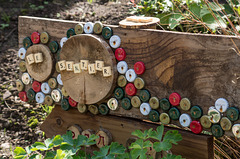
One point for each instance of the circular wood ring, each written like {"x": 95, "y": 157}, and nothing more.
{"x": 40, "y": 71}
{"x": 80, "y": 85}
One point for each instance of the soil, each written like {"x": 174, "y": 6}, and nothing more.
{"x": 15, "y": 116}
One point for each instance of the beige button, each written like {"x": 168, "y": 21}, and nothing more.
{"x": 19, "y": 85}
{"x": 99, "y": 65}
{"x": 76, "y": 130}
{"x": 84, "y": 65}
{"x": 30, "y": 59}
{"x": 107, "y": 71}
{"x": 91, "y": 69}
{"x": 69, "y": 65}
{"x": 22, "y": 66}
{"x": 93, "y": 109}
{"x": 77, "y": 68}
{"x": 214, "y": 115}
{"x": 62, "y": 65}
{"x": 112, "y": 104}
{"x": 139, "y": 83}
{"x": 26, "y": 79}
{"x": 185, "y": 104}
{"x": 122, "y": 81}
{"x": 82, "y": 108}
{"x": 38, "y": 57}
{"x": 225, "y": 123}
{"x": 135, "y": 101}
{"x": 236, "y": 130}
{"x": 64, "y": 92}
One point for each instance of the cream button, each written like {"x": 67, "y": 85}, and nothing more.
{"x": 145, "y": 108}
{"x": 26, "y": 79}
{"x": 185, "y": 120}
{"x": 130, "y": 75}
{"x": 59, "y": 79}
{"x": 115, "y": 41}
{"x": 236, "y": 130}
{"x": 221, "y": 105}
{"x": 88, "y": 28}
{"x": 215, "y": 115}
{"x": 122, "y": 67}
{"x": 112, "y": 104}
{"x": 40, "y": 97}
{"x": 63, "y": 40}
{"x": 21, "y": 53}
{"x": 56, "y": 95}
{"x": 45, "y": 88}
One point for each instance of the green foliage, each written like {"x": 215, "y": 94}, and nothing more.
{"x": 64, "y": 147}
{"x": 33, "y": 122}
{"x": 47, "y": 109}
{"x": 5, "y": 17}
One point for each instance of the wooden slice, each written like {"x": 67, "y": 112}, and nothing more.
{"x": 139, "y": 25}
{"x": 40, "y": 71}
{"x": 105, "y": 138}
{"x": 83, "y": 87}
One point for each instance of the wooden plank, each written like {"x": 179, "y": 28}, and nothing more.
{"x": 197, "y": 66}
{"x": 192, "y": 146}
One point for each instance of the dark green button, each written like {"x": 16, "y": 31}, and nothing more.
{"x": 144, "y": 95}
{"x": 107, "y": 33}
{"x": 165, "y": 104}
{"x": 53, "y": 46}
{"x": 233, "y": 113}
{"x": 119, "y": 93}
{"x": 126, "y": 103}
{"x": 70, "y": 32}
{"x": 103, "y": 109}
{"x": 174, "y": 113}
{"x": 154, "y": 115}
{"x": 217, "y": 131}
{"x": 27, "y": 42}
{"x": 58, "y": 54}
{"x": 64, "y": 104}
{"x": 31, "y": 94}
{"x": 196, "y": 112}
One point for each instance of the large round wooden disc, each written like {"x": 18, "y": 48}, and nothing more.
{"x": 40, "y": 71}
{"x": 83, "y": 87}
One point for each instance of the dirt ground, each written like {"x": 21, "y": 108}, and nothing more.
{"x": 18, "y": 125}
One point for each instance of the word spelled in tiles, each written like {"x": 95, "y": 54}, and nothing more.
{"x": 34, "y": 58}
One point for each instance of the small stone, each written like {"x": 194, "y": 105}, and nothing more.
{"x": 5, "y": 145}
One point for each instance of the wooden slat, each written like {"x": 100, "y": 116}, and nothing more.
{"x": 191, "y": 147}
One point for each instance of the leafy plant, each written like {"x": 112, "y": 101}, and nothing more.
{"x": 68, "y": 148}
{"x": 5, "y": 17}
{"x": 47, "y": 109}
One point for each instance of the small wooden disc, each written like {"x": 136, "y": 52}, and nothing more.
{"x": 40, "y": 71}
{"x": 84, "y": 87}
{"x": 76, "y": 130}
{"x": 105, "y": 138}
{"x": 138, "y": 25}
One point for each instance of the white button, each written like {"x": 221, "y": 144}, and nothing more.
{"x": 115, "y": 41}
{"x": 88, "y": 28}
{"x": 21, "y": 53}
{"x": 45, "y": 88}
{"x": 63, "y": 40}
{"x": 59, "y": 79}
{"x": 221, "y": 104}
{"x": 185, "y": 120}
{"x": 145, "y": 108}
{"x": 122, "y": 67}
{"x": 214, "y": 114}
{"x": 26, "y": 79}
{"x": 236, "y": 130}
{"x": 40, "y": 97}
{"x": 56, "y": 95}
{"x": 112, "y": 104}
{"x": 131, "y": 75}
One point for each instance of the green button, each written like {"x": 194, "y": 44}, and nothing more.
{"x": 217, "y": 131}
{"x": 22, "y": 66}
{"x": 139, "y": 83}
{"x": 97, "y": 28}
{"x": 70, "y": 32}
{"x": 126, "y": 103}
{"x": 93, "y": 109}
{"x": 78, "y": 28}
{"x": 103, "y": 109}
{"x": 205, "y": 121}
{"x": 53, "y": 46}
{"x": 27, "y": 42}
{"x": 48, "y": 100}
{"x": 233, "y": 113}
{"x": 164, "y": 118}
{"x": 154, "y": 115}
{"x": 154, "y": 102}
{"x": 31, "y": 94}
{"x": 44, "y": 37}
{"x": 135, "y": 101}
{"x": 122, "y": 81}
{"x": 119, "y": 93}
{"x": 58, "y": 54}
{"x": 226, "y": 124}
{"x": 82, "y": 108}
{"x": 196, "y": 112}
{"x": 165, "y": 104}
{"x": 144, "y": 95}
{"x": 107, "y": 33}
{"x": 64, "y": 104}
{"x": 174, "y": 113}
{"x": 185, "y": 104}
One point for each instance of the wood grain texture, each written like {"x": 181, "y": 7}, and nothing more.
{"x": 134, "y": 25}
{"x": 191, "y": 147}
{"x": 200, "y": 67}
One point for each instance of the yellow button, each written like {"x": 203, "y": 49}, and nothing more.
{"x": 164, "y": 118}
{"x": 185, "y": 104}
{"x": 139, "y": 83}
{"x": 93, "y": 109}
{"x": 226, "y": 124}
{"x": 82, "y": 108}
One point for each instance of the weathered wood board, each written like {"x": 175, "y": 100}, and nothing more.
{"x": 191, "y": 147}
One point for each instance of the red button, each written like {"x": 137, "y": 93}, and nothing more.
{"x": 72, "y": 102}
{"x": 130, "y": 89}
{"x": 36, "y": 86}
{"x": 23, "y": 96}
{"x": 120, "y": 54}
{"x": 35, "y": 37}
{"x": 139, "y": 67}
{"x": 196, "y": 127}
{"x": 175, "y": 99}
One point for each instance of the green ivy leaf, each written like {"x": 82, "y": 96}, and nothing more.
{"x": 172, "y": 136}
{"x": 68, "y": 138}
{"x": 164, "y": 18}
{"x": 147, "y": 144}
{"x": 69, "y": 148}
{"x": 174, "y": 20}
{"x": 138, "y": 144}
{"x": 195, "y": 10}
{"x": 19, "y": 151}
{"x": 162, "y": 146}
{"x": 138, "y": 133}
{"x": 116, "y": 148}
{"x": 158, "y": 133}
{"x": 102, "y": 153}
{"x": 141, "y": 153}
{"x": 57, "y": 140}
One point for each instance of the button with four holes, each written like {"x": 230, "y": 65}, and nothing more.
{"x": 22, "y": 66}
{"x": 59, "y": 79}
{"x": 44, "y": 37}
{"x": 72, "y": 102}
{"x": 88, "y": 28}
{"x": 39, "y": 97}
{"x": 70, "y": 32}
{"x": 175, "y": 99}
{"x": 233, "y": 113}
{"x": 21, "y": 53}
{"x": 126, "y": 103}
{"x": 139, "y": 83}
{"x": 82, "y": 108}
{"x": 185, "y": 120}
{"x": 154, "y": 102}
{"x": 26, "y": 79}
{"x": 31, "y": 94}
{"x": 103, "y": 109}
{"x": 196, "y": 127}
{"x": 185, "y": 104}
{"x": 196, "y": 112}
{"x": 145, "y": 108}
{"x": 64, "y": 104}
{"x": 120, "y": 54}
{"x": 217, "y": 130}
{"x": 78, "y": 28}
{"x": 130, "y": 89}
{"x": 97, "y": 28}
{"x": 45, "y": 88}
{"x": 174, "y": 113}
{"x": 23, "y": 96}
{"x": 205, "y": 121}
{"x": 236, "y": 130}
{"x": 119, "y": 93}
{"x": 27, "y": 42}
{"x": 35, "y": 37}
{"x": 122, "y": 67}
{"x": 139, "y": 67}
{"x": 115, "y": 41}
{"x": 164, "y": 118}
{"x": 165, "y": 104}
{"x": 107, "y": 33}
{"x": 135, "y": 101}
{"x": 112, "y": 104}
{"x": 53, "y": 46}
{"x": 52, "y": 82}
{"x": 221, "y": 105}
{"x": 130, "y": 75}
{"x": 154, "y": 115}
{"x": 19, "y": 85}
{"x": 121, "y": 81}
{"x": 144, "y": 95}
{"x": 56, "y": 95}
{"x": 62, "y": 41}
{"x": 48, "y": 100}
{"x": 226, "y": 124}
